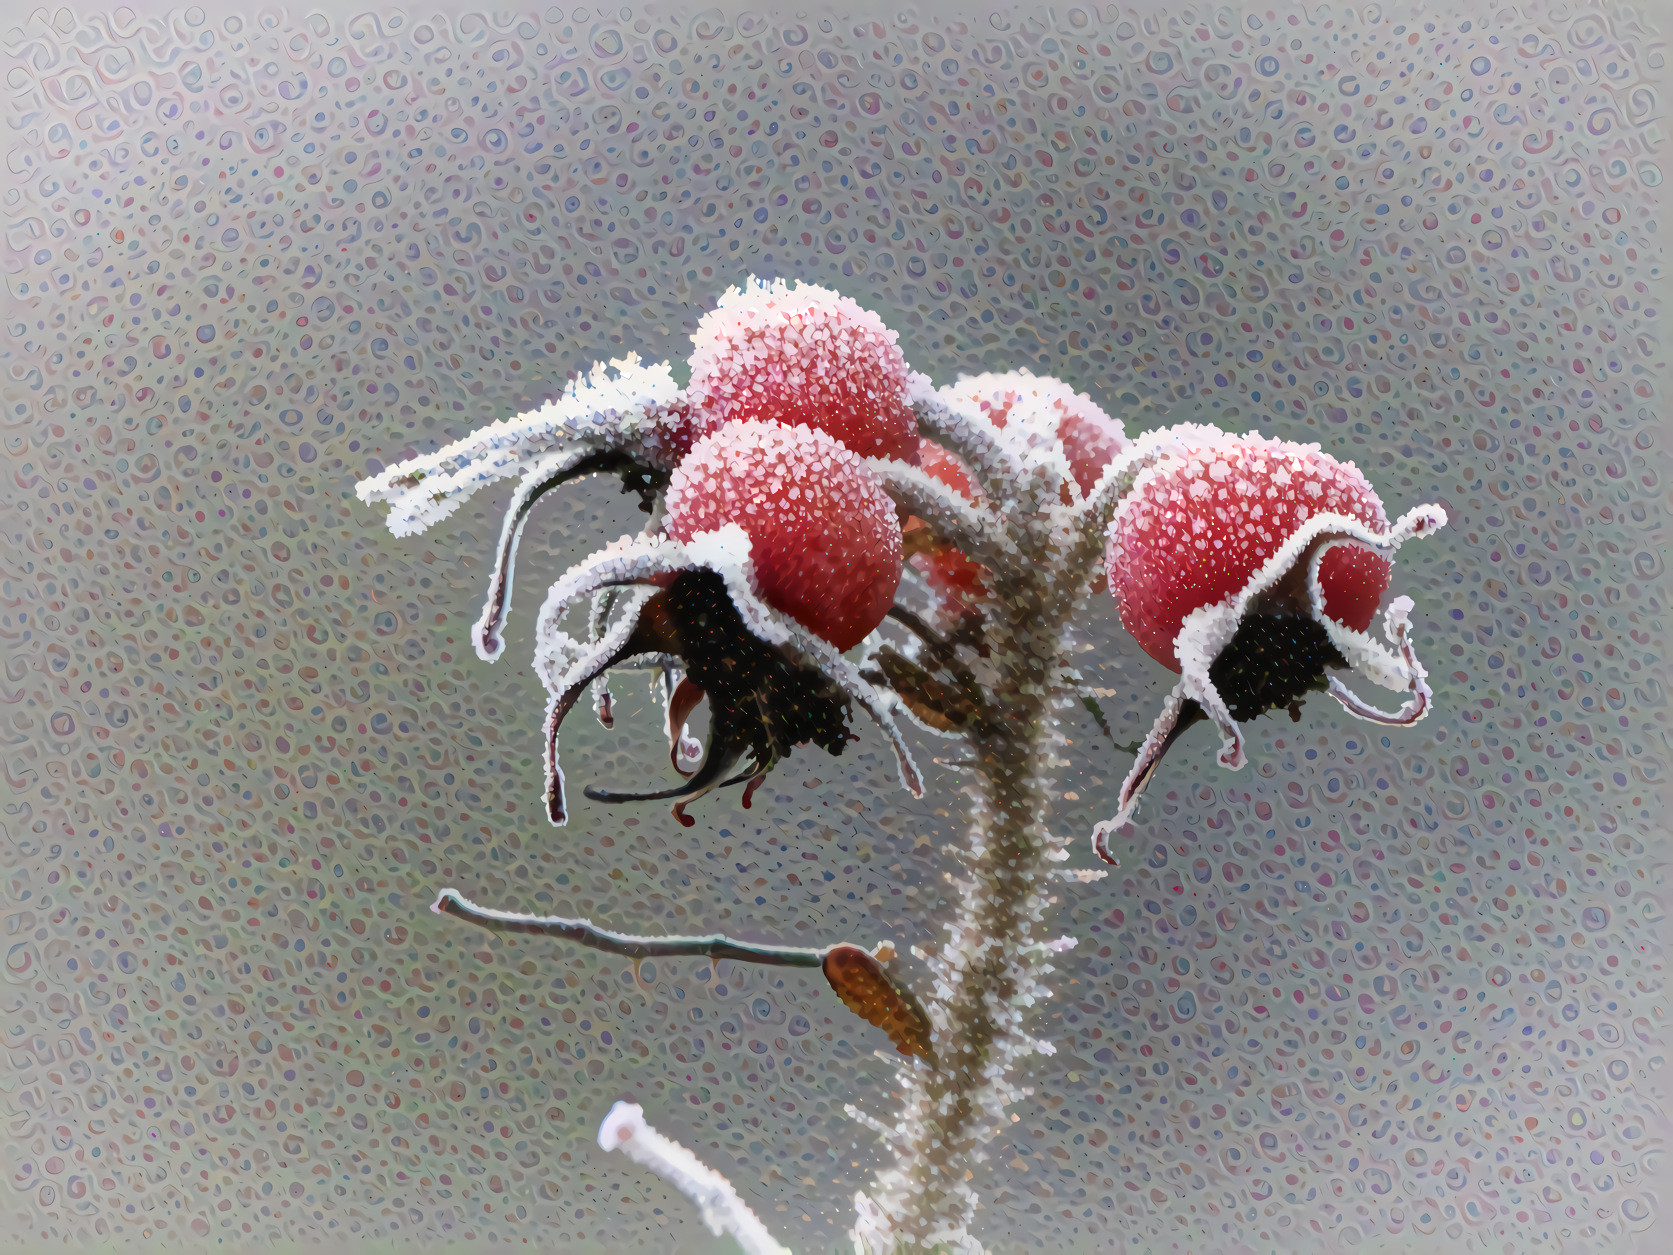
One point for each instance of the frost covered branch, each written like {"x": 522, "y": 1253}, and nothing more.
{"x": 624, "y": 1129}
{"x": 973, "y": 530}
{"x": 584, "y": 932}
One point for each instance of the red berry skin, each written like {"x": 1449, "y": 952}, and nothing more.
{"x": 824, "y": 536}
{"x": 804, "y": 355}
{"x": 1196, "y": 531}
{"x": 1353, "y": 580}
{"x": 955, "y": 578}
{"x": 1091, "y": 440}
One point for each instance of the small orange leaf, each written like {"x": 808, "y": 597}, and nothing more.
{"x": 870, "y": 993}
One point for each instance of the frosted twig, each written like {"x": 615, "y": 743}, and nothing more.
{"x": 624, "y": 1129}
{"x": 628, "y": 945}
{"x": 966, "y": 431}
{"x": 950, "y": 516}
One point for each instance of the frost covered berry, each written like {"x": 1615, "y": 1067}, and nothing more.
{"x": 779, "y": 549}
{"x": 1251, "y": 567}
{"x": 824, "y": 539}
{"x": 1047, "y": 409}
{"x": 804, "y": 355}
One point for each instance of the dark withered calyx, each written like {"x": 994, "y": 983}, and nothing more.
{"x": 1272, "y": 663}
{"x": 762, "y": 701}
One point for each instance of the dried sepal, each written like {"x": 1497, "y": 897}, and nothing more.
{"x": 939, "y": 706}
{"x": 867, "y": 989}
{"x": 624, "y": 405}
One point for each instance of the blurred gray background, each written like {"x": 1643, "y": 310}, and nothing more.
{"x": 1372, "y": 992}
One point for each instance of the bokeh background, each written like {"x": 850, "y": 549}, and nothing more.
{"x": 1374, "y": 992}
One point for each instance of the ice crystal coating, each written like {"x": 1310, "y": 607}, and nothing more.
{"x": 1196, "y": 528}
{"x": 804, "y": 355}
{"x": 623, "y": 404}
{"x": 954, "y": 577}
{"x": 1048, "y": 410}
{"x": 624, "y": 1129}
{"x": 824, "y": 540}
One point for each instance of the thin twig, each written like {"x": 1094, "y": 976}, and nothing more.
{"x": 713, "y": 946}
{"x": 624, "y": 1129}
{"x": 1097, "y": 713}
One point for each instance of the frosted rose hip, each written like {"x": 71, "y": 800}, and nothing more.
{"x": 1252, "y": 567}
{"x": 804, "y": 355}
{"x": 1198, "y": 532}
{"x": 1048, "y": 409}
{"x": 824, "y": 538}
{"x": 778, "y": 550}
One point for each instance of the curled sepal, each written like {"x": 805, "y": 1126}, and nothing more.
{"x": 1162, "y": 734}
{"x": 623, "y": 405}
{"x": 598, "y": 623}
{"x": 680, "y": 697}
{"x": 940, "y": 707}
{"x": 630, "y": 560}
{"x": 1399, "y": 670}
{"x": 868, "y": 990}
{"x": 621, "y": 640}
{"x": 1271, "y": 663}
{"x": 549, "y": 472}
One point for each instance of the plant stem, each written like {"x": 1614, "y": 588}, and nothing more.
{"x": 713, "y": 946}
{"x": 987, "y": 974}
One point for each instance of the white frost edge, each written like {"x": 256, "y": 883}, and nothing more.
{"x": 1367, "y": 656}
{"x": 624, "y": 1129}
{"x": 596, "y": 405}
{"x": 1208, "y": 629}
{"x": 541, "y": 473}
{"x": 1401, "y": 672}
{"x": 1132, "y": 788}
{"x": 598, "y": 623}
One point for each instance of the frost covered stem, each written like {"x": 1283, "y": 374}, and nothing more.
{"x": 624, "y": 1129}
{"x": 713, "y": 946}
{"x": 987, "y": 983}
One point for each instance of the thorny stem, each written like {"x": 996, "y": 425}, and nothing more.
{"x": 986, "y": 976}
